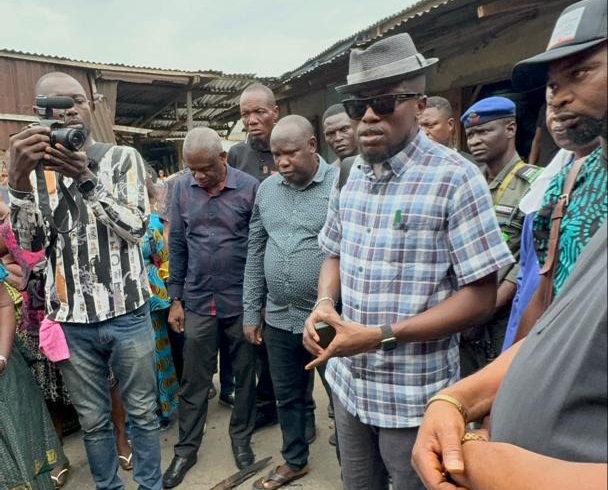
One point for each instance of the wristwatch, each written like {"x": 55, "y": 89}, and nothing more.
{"x": 389, "y": 341}
{"x": 87, "y": 186}
{"x": 174, "y": 298}
{"x": 3, "y": 363}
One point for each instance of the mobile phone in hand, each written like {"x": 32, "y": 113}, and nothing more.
{"x": 325, "y": 332}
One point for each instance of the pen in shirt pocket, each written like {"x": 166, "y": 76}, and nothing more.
{"x": 397, "y": 219}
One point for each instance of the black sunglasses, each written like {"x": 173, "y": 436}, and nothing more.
{"x": 383, "y": 105}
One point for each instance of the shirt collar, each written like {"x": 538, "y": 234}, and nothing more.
{"x": 399, "y": 162}
{"x": 229, "y": 182}
{"x": 505, "y": 170}
{"x": 319, "y": 176}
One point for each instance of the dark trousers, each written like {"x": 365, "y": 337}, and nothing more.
{"x": 226, "y": 376}
{"x": 264, "y": 391}
{"x": 287, "y": 358}
{"x": 370, "y": 454}
{"x": 202, "y": 337}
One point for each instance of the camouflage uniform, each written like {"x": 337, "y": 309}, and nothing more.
{"x": 483, "y": 343}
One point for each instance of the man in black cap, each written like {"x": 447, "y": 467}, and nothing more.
{"x": 574, "y": 67}
{"x": 490, "y": 128}
{"x": 413, "y": 248}
{"x": 546, "y": 394}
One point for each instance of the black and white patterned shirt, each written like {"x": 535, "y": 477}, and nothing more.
{"x": 96, "y": 271}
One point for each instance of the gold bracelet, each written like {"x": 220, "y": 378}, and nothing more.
{"x": 472, "y": 436}
{"x": 324, "y": 298}
{"x": 452, "y": 401}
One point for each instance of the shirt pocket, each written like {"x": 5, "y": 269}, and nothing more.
{"x": 414, "y": 240}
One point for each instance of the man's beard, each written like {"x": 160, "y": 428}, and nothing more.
{"x": 587, "y": 130}
{"x": 383, "y": 156}
{"x": 259, "y": 144}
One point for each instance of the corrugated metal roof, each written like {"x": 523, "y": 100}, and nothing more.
{"x": 378, "y": 29}
{"x": 101, "y": 66}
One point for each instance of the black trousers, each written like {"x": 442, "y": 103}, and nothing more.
{"x": 202, "y": 338}
{"x": 287, "y": 358}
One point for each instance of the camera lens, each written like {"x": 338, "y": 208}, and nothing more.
{"x": 72, "y": 139}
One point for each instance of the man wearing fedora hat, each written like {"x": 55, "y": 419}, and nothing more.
{"x": 412, "y": 250}
{"x": 546, "y": 394}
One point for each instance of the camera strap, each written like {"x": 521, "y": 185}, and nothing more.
{"x": 66, "y": 198}
{"x": 67, "y": 203}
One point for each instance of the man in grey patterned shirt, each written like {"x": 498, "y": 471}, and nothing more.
{"x": 96, "y": 281}
{"x": 283, "y": 263}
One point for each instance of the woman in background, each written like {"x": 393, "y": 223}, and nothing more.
{"x": 156, "y": 260}
{"x": 29, "y": 446}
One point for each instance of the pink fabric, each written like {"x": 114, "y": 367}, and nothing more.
{"x": 52, "y": 341}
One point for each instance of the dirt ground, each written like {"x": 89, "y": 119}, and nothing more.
{"x": 215, "y": 461}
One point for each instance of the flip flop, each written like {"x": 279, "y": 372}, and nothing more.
{"x": 60, "y": 479}
{"x": 274, "y": 479}
{"x": 126, "y": 462}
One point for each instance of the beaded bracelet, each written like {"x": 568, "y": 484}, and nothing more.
{"x": 324, "y": 298}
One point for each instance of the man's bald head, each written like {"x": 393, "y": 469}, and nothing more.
{"x": 294, "y": 146}
{"x": 293, "y": 126}
{"x": 259, "y": 112}
{"x": 258, "y": 88}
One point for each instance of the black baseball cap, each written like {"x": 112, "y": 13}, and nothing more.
{"x": 580, "y": 26}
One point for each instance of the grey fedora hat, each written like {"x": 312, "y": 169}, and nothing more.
{"x": 390, "y": 59}
{"x": 580, "y": 26}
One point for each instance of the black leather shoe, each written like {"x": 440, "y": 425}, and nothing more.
{"x": 265, "y": 419}
{"x": 243, "y": 456}
{"x": 177, "y": 470}
{"x": 227, "y": 400}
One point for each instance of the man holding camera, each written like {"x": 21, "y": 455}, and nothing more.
{"x": 96, "y": 284}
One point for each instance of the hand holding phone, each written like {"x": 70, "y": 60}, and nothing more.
{"x": 325, "y": 332}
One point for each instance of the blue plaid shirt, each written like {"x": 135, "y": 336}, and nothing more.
{"x": 407, "y": 241}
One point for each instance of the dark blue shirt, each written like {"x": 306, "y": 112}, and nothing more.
{"x": 208, "y": 243}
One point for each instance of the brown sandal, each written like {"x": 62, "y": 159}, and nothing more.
{"x": 274, "y": 479}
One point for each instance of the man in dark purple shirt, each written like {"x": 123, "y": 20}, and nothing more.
{"x": 209, "y": 227}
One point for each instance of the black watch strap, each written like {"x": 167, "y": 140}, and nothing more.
{"x": 389, "y": 341}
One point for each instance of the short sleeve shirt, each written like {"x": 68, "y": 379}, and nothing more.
{"x": 407, "y": 241}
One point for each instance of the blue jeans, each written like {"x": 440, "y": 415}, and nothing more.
{"x": 126, "y": 344}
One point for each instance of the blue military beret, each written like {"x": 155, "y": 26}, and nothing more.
{"x": 488, "y": 109}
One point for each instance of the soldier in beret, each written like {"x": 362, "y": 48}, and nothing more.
{"x": 490, "y": 129}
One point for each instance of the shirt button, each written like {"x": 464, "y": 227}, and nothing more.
{"x": 369, "y": 230}
{"x": 360, "y": 269}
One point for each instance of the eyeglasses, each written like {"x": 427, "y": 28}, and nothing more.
{"x": 382, "y": 105}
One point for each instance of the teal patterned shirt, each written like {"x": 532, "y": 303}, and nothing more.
{"x": 584, "y": 215}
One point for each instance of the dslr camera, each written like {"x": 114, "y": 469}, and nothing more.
{"x": 71, "y": 138}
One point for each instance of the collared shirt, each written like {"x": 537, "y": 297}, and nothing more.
{"x": 208, "y": 243}
{"x": 507, "y": 190}
{"x": 284, "y": 253}
{"x": 96, "y": 271}
{"x": 253, "y": 158}
{"x": 585, "y": 214}
{"x": 407, "y": 241}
